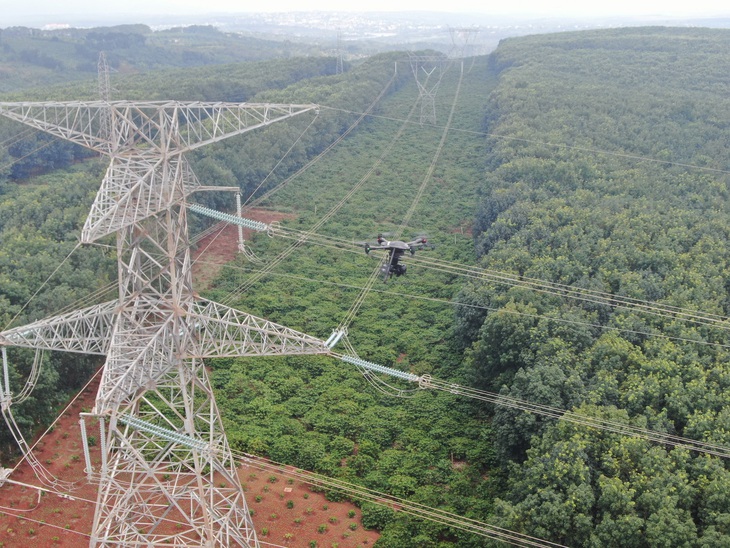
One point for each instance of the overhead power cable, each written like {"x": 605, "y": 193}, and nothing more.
{"x": 304, "y": 236}
{"x": 398, "y": 504}
{"x": 427, "y": 382}
{"x": 542, "y": 286}
{"x": 355, "y": 308}
{"x": 589, "y": 150}
{"x": 453, "y": 302}
{"x": 305, "y": 167}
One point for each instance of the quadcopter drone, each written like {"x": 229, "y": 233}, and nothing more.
{"x": 395, "y": 249}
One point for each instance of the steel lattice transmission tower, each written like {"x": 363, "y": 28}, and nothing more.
{"x": 167, "y": 476}
{"x": 428, "y": 71}
{"x": 460, "y": 40}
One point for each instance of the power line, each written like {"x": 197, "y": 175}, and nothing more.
{"x": 428, "y": 382}
{"x": 589, "y": 150}
{"x": 542, "y": 286}
{"x": 452, "y": 302}
{"x": 350, "y": 316}
{"x": 400, "y": 504}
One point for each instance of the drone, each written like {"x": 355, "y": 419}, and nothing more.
{"x": 396, "y": 249}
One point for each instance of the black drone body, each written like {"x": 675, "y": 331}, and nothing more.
{"x": 396, "y": 249}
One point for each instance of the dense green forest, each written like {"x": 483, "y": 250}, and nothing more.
{"x": 607, "y": 169}
{"x": 595, "y": 160}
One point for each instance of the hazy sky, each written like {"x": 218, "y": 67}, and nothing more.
{"x": 14, "y": 12}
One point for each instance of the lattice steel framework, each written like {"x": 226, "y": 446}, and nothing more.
{"x": 428, "y": 71}
{"x": 167, "y": 476}
{"x": 461, "y": 40}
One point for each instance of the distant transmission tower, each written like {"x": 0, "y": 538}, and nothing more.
{"x": 167, "y": 476}
{"x": 461, "y": 40}
{"x": 428, "y": 71}
{"x": 105, "y": 93}
{"x": 340, "y": 54}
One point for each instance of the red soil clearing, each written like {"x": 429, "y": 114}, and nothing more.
{"x": 221, "y": 246}
{"x": 33, "y": 518}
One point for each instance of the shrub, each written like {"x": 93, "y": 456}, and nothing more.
{"x": 375, "y": 516}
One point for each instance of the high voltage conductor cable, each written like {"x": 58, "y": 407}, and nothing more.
{"x": 597, "y": 151}
{"x": 565, "y": 287}
{"x": 17, "y": 137}
{"x": 361, "y": 117}
{"x": 16, "y": 160}
{"x": 354, "y": 309}
{"x": 33, "y": 296}
{"x": 586, "y": 295}
{"x": 368, "y": 495}
{"x": 285, "y": 155}
{"x": 218, "y": 233}
{"x": 551, "y": 288}
{"x": 307, "y": 235}
{"x": 434, "y": 159}
{"x": 301, "y": 170}
{"x": 13, "y": 512}
{"x": 94, "y": 480}
{"x": 68, "y": 406}
{"x": 336, "y": 208}
{"x": 427, "y": 382}
{"x": 409, "y": 507}
{"x": 482, "y": 307}
{"x": 399, "y": 504}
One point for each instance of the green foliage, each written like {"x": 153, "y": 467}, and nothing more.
{"x": 322, "y": 415}
{"x": 39, "y": 227}
{"x": 566, "y": 201}
{"x": 375, "y": 516}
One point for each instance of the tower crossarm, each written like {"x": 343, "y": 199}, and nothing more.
{"x": 226, "y": 332}
{"x": 209, "y": 122}
{"x": 84, "y": 331}
{"x": 160, "y": 127}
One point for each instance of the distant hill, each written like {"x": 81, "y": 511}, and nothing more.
{"x": 32, "y": 57}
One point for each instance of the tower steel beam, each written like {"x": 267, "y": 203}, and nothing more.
{"x": 168, "y": 477}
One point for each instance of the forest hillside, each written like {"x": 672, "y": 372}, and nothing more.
{"x": 607, "y": 175}
{"x": 32, "y": 57}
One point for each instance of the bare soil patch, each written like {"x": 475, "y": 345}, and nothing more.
{"x": 221, "y": 246}
{"x": 287, "y": 513}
